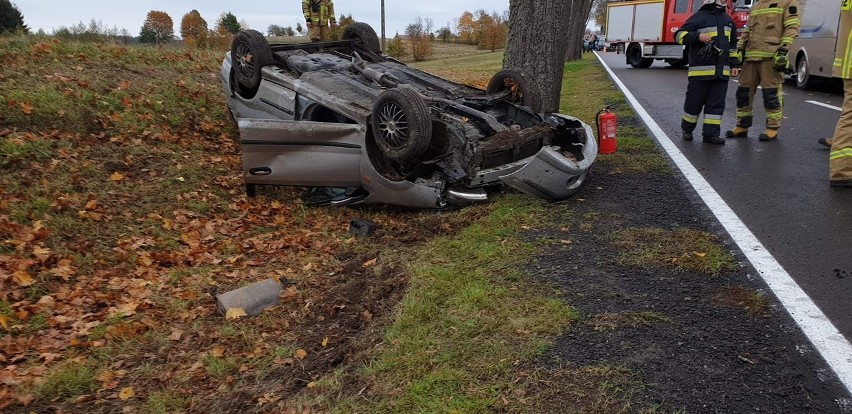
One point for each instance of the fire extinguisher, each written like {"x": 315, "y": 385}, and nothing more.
{"x": 607, "y": 124}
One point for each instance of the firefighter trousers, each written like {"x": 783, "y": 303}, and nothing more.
{"x": 840, "y": 161}
{"x": 710, "y": 96}
{"x": 754, "y": 74}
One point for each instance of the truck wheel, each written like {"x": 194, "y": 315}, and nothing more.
{"x": 635, "y": 59}
{"x": 249, "y": 54}
{"x": 363, "y": 33}
{"x": 522, "y": 85}
{"x": 804, "y": 80}
{"x": 402, "y": 124}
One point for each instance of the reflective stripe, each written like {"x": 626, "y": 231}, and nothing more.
{"x": 726, "y": 72}
{"x": 846, "y": 58}
{"x": 769, "y": 10}
{"x": 774, "y": 115}
{"x": 680, "y": 36}
{"x": 741, "y": 114}
{"x": 842, "y": 153}
{"x": 708, "y": 121}
{"x": 790, "y": 22}
{"x": 690, "y": 118}
{"x": 787, "y": 40}
{"x": 707, "y": 30}
{"x": 712, "y": 116}
{"x": 759, "y": 54}
{"x": 838, "y": 62}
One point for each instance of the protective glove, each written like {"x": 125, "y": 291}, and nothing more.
{"x": 709, "y": 52}
{"x": 780, "y": 62}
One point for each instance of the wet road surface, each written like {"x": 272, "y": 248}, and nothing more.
{"x": 778, "y": 189}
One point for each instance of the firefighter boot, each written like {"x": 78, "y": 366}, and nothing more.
{"x": 737, "y": 132}
{"x": 687, "y": 136}
{"x": 769, "y": 135}
{"x": 714, "y": 140}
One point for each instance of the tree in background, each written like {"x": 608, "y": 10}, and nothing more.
{"x": 228, "y": 23}
{"x": 276, "y": 30}
{"x": 419, "y": 34}
{"x": 396, "y": 47}
{"x": 466, "y": 28}
{"x": 493, "y": 31}
{"x": 194, "y": 30}
{"x": 599, "y": 12}
{"x": 445, "y": 33}
{"x": 158, "y": 28}
{"x": 11, "y": 18}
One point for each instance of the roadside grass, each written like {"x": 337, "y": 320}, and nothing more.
{"x": 610, "y": 321}
{"x": 750, "y": 301}
{"x": 679, "y": 248}
{"x": 68, "y": 381}
{"x": 464, "y": 64}
{"x": 586, "y": 89}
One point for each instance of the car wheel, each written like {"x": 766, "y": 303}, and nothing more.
{"x": 363, "y": 33}
{"x": 524, "y": 89}
{"x": 249, "y": 54}
{"x": 804, "y": 80}
{"x": 402, "y": 124}
{"x": 635, "y": 59}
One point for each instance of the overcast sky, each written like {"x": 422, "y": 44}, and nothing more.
{"x": 259, "y": 14}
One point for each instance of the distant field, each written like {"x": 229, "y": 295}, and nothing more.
{"x": 462, "y": 63}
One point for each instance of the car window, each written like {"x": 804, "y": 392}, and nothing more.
{"x": 681, "y": 6}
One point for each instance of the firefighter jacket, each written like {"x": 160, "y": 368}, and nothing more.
{"x": 319, "y": 12}
{"x": 843, "y": 53}
{"x": 771, "y": 24}
{"x": 713, "y": 60}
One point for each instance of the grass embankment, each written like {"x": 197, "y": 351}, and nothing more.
{"x": 122, "y": 209}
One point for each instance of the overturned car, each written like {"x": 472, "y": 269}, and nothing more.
{"x": 341, "y": 116}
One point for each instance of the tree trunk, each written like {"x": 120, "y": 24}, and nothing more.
{"x": 577, "y": 28}
{"x": 538, "y": 39}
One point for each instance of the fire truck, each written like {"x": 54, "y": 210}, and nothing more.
{"x": 643, "y": 30}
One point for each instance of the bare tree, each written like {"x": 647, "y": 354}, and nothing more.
{"x": 419, "y": 34}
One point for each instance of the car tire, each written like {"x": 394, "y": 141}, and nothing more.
{"x": 804, "y": 80}
{"x": 525, "y": 90}
{"x": 249, "y": 54}
{"x": 635, "y": 59}
{"x": 363, "y": 33}
{"x": 402, "y": 124}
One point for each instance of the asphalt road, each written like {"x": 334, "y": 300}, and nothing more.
{"x": 778, "y": 189}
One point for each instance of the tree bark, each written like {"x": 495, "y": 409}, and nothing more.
{"x": 538, "y": 39}
{"x": 581, "y": 9}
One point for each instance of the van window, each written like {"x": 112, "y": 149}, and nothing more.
{"x": 681, "y": 6}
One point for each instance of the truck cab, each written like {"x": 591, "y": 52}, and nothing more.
{"x": 644, "y": 29}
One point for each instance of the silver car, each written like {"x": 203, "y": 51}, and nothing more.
{"x": 360, "y": 127}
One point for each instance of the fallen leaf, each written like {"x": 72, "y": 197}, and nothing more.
{"x": 91, "y": 205}
{"x": 325, "y": 342}
{"x": 312, "y": 384}
{"x": 235, "y": 313}
{"x": 106, "y": 376}
{"x": 25, "y": 400}
{"x": 126, "y": 393}
{"x": 563, "y": 241}
{"x": 176, "y": 334}
{"x": 300, "y": 353}
{"x": 369, "y": 263}
{"x": 367, "y": 315}
{"x": 702, "y": 255}
{"x": 22, "y": 278}
{"x": 26, "y": 108}
{"x": 116, "y": 176}
{"x": 217, "y": 351}
{"x": 4, "y": 322}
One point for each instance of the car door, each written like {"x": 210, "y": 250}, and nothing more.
{"x": 302, "y": 153}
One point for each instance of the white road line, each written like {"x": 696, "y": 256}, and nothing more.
{"x": 828, "y": 341}
{"x": 825, "y": 105}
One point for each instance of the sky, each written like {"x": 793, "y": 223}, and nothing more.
{"x": 259, "y": 14}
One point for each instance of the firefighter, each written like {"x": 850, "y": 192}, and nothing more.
{"x": 319, "y": 17}
{"x": 840, "y": 158}
{"x": 710, "y": 36}
{"x": 772, "y": 27}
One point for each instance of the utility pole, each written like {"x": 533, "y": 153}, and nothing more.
{"x": 383, "y": 25}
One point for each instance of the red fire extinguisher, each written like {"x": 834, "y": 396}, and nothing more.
{"x": 607, "y": 124}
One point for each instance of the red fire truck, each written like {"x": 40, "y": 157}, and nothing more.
{"x": 643, "y": 30}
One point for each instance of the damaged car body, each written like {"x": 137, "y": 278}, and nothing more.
{"x": 341, "y": 115}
